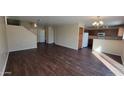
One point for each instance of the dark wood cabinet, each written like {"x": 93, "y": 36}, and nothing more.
{"x": 108, "y": 32}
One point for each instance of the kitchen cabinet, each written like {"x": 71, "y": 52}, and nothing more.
{"x": 120, "y": 31}
{"x": 108, "y": 32}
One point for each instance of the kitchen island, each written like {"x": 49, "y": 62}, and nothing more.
{"x": 91, "y": 38}
{"x": 110, "y": 46}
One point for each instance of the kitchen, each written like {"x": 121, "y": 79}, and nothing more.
{"x": 107, "y": 40}
{"x": 111, "y": 33}
{"x": 109, "y": 44}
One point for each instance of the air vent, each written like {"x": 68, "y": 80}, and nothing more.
{"x": 13, "y": 22}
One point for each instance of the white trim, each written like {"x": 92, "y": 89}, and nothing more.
{"x": 14, "y": 50}
{"x": 111, "y": 53}
{"x": 122, "y": 60}
{"x": 5, "y": 65}
{"x": 66, "y": 46}
{"x": 116, "y": 64}
{"x": 108, "y": 65}
{"x": 107, "y": 52}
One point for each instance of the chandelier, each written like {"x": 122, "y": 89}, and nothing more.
{"x": 98, "y": 23}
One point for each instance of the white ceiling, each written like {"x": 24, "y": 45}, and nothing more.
{"x": 56, "y": 20}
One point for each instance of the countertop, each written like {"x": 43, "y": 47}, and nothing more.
{"x": 106, "y": 37}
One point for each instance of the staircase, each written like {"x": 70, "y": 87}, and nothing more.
{"x": 20, "y": 38}
{"x": 113, "y": 65}
{"x": 30, "y": 27}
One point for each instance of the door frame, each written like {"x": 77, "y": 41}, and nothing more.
{"x": 80, "y": 46}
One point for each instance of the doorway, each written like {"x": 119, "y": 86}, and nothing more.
{"x": 41, "y": 36}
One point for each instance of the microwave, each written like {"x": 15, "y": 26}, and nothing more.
{"x": 101, "y": 34}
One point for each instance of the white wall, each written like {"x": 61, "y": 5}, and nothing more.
{"x": 19, "y": 38}
{"x": 41, "y": 35}
{"x": 3, "y": 46}
{"x": 108, "y": 46}
{"x": 29, "y": 26}
{"x": 49, "y": 35}
{"x": 67, "y": 36}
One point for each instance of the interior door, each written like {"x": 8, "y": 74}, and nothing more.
{"x": 80, "y": 38}
{"x": 41, "y": 36}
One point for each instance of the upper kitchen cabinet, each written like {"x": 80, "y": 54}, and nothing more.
{"x": 120, "y": 31}
{"x": 108, "y": 32}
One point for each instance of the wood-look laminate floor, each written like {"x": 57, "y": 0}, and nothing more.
{"x": 52, "y": 60}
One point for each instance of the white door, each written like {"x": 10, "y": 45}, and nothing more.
{"x": 41, "y": 36}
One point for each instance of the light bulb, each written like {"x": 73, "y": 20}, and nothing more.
{"x": 101, "y": 22}
{"x": 97, "y": 24}
{"x": 35, "y": 25}
{"x": 94, "y": 23}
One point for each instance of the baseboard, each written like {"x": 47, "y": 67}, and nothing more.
{"x": 107, "y": 52}
{"x": 113, "y": 54}
{"x": 50, "y": 43}
{"x": 21, "y": 49}
{"x": 108, "y": 63}
{"x": 65, "y": 47}
{"x": 122, "y": 60}
{"x": 5, "y": 65}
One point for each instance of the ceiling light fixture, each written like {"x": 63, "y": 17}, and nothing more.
{"x": 35, "y": 25}
{"x": 98, "y": 23}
